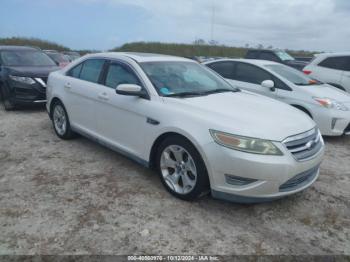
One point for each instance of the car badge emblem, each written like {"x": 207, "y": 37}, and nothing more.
{"x": 310, "y": 144}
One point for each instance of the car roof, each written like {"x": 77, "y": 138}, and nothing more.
{"x": 264, "y": 50}
{"x": 249, "y": 61}
{"x": 141, "y": 57}
{"x": 70, "y": 52}
{"x": 51, "y": 51}
{"x": 15, "y": 47}
{"x": 333, "y": 54}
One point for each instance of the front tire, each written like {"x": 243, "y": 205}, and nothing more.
{"x": 7, "y": 103}
{"x": 60, "y": 121}
{"x": 182, "y": 169}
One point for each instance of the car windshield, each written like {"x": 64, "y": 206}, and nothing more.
{"x": 284, "y": 56}
{"x": 292, "y": 75}
{"x": 59, "y": 58}
{"x": 184, "y": 79}
{"x": 26, "y": 58}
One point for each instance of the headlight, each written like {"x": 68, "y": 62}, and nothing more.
{"x": 23, "y": 79}
{"x": 245, "y": 144}
{"x": 330, "y": 103}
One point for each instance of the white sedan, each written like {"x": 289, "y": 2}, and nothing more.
{"x": 328, "y": 106}
{"x": 182, "y": 119}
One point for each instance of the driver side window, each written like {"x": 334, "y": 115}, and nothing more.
{"x": 119, "y": 74}
{"x": 251, "y": 74}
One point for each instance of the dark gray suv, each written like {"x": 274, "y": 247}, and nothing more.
{"x": 278, "y": 56}
{"x": 23, "y": 75}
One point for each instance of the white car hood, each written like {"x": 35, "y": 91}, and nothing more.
{"x": 246, "y": 114}
{"x": 327, "y": 91}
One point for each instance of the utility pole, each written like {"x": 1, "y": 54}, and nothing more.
{"x": 212, "y": 22}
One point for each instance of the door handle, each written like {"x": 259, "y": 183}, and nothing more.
{"x": 67, "y": 86}
{"x": 103, "y": 96}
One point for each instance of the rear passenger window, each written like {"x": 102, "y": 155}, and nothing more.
{"x": 251, "y": 74}
{"x": 119, "y": 74}
{"x": 338, "y": 63}
{"x": 225, "y": 69}
{"x": 91, "y": 70}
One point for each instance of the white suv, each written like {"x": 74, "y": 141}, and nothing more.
{"x": 331, "y": 68}
{"x": 188, "y": 123}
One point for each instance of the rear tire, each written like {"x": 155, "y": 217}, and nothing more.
{"x": 182, "y": 169}
{"x": 60, "y": 121}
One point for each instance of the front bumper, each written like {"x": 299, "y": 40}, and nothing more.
{"x": 268, "y": 175}
{"x": 333, "y": 122}
{"x": 23, "y": 94}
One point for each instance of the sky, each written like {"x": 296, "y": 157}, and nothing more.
{"x": 317, "y": 25}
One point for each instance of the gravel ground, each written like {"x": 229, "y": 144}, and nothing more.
{"x": 76, "y": 197}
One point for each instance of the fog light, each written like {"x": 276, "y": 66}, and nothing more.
{"x": 238, "y": 181}
{"x": 334, "y": 121}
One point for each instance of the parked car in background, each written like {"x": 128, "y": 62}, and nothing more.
{"x": 23, "y": 75}
{"x": 187, "y": 122}
{"x": 331, "y": 68}
{"x": 326, "y": 105}
{"x": 304, "y": 58}
{"x": 60, "y": 59}
{"x": 71, "y": 55}
{"x": 278, "y": 56}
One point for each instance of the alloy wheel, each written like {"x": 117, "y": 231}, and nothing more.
{"x": 60, "y": 120}
{"x": 178, "y": 169}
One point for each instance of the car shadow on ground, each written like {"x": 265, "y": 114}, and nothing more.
{"x": 337, "y": 139}
{"x": 25, "y": 109}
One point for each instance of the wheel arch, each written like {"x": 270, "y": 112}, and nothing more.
{"x": 52, "y": 102}
{"x": 304, "y": 109}
{"x": 158, "y": 141}
{"x": 164, "y": 135}
{"x": 337, "y": 86}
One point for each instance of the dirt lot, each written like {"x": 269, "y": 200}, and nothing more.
{"x": 77, "y": 197}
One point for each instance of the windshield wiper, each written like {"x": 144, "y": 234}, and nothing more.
{"x": 220, "y": 90}
{"x": 186, "y": 94}
{"x": 204, "y": 93}
{"x": 303, "y": 84}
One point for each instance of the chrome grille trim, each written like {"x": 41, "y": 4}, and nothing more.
{"x": 304, "y": 146}
{"x": 300, "y": 136}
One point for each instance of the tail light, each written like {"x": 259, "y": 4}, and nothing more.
{"x": 307, "y": 72}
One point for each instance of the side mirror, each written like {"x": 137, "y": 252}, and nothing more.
{"x": 269, "y": 84}
{"x": 131, "y": 90}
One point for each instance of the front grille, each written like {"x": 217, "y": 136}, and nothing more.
{"x": 299, "y": 180}
{"x": 41, "y": 88}
{"x": 304, "y": 146}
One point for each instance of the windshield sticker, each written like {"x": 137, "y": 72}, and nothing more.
{"x": 165, "y": 91}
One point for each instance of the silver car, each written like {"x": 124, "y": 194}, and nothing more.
{"x": 328, "y": 106}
